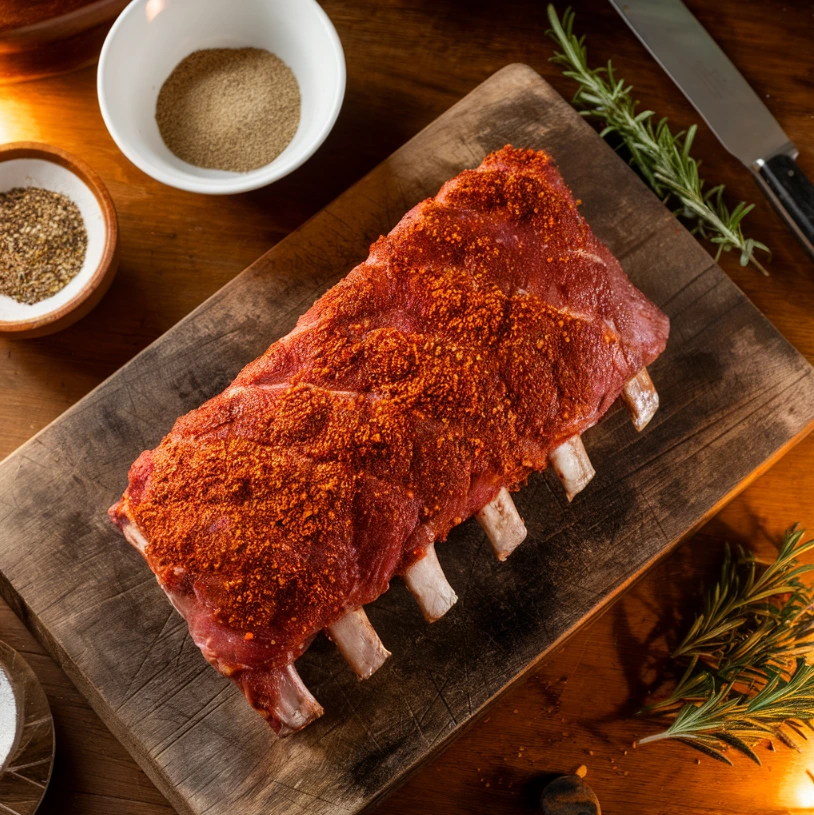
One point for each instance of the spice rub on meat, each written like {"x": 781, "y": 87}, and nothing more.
{"x": 479, "y": 339}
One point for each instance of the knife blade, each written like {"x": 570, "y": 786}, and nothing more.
{"x": 728, "y": 104}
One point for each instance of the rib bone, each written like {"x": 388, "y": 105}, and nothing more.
{"x": 429, "y": 586}
{"x": 359, "y": 643}
{"x": 297, "y": 707}
{"x": 502, "y": 524}
{"x": 134, "y": 536}
{"x": 571, "y": 463}
{"x": 641, "y": 399}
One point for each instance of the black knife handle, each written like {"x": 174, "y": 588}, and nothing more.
{"x": 792, "y": 196}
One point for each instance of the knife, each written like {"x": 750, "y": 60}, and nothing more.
{"x": 733, "y": 111}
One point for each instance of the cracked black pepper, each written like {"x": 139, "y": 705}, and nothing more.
{"x": 43, "y": 241}
{"x": 230, "y": 109}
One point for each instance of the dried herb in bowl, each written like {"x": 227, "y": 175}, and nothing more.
{"x": 43, "y": 242}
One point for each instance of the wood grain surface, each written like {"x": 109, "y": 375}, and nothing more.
{"x": 407, "y": 63}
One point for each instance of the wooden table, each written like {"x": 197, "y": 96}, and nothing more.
{"x": 408, "y": 60}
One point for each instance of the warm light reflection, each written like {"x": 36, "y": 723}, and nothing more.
{"x": 789, "y": 783}
{"x": 16, "y": 121}
{"x": 804, "y": 793}
{"x": 154, "y": 8}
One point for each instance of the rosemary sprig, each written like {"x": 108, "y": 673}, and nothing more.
{"x": 720, "y": 633}
{"x": 661, "y": 156}
{"x": 747, "y": 677}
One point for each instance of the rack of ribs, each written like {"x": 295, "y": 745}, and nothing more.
{"x": 477, "y": 343}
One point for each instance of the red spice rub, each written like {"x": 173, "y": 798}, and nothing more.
{"x": 489, "y": 326}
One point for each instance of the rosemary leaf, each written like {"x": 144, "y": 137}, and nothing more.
{"x": 661, "y": 156}
{"x": 708, "y": 747}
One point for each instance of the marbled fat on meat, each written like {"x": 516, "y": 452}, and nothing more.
{"x": 486, "y": 329}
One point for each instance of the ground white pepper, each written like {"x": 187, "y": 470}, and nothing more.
{"x": 43, "y": 241}
{"x": 229, "y": 108}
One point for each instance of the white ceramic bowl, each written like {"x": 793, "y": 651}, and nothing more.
{"x": 152, "y": 36}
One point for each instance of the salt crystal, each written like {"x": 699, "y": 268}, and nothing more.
{"x": 8, "y": 717}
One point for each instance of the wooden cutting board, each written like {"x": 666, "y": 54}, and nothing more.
{"x": 735, "y": 395}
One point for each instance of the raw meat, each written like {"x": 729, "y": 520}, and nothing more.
{"x": 483, "y": 335}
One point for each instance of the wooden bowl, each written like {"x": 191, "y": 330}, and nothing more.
{"x": 28, "y": 164}
{"x": 52, "y": 36}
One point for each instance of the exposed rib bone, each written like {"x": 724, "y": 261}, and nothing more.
{"x": 359, "y": 643}
{"x": 134, "y": 535}
{"x": 426, "y": 580}
{"x": 502, "y": 524}
{"x": 571, "y": 463}
{"x": 296, "y": 707}
{"x": 641, "y": 399}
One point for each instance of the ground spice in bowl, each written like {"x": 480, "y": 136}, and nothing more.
{"x": 43, "y": 242}
{"x": 232, "y": 109}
